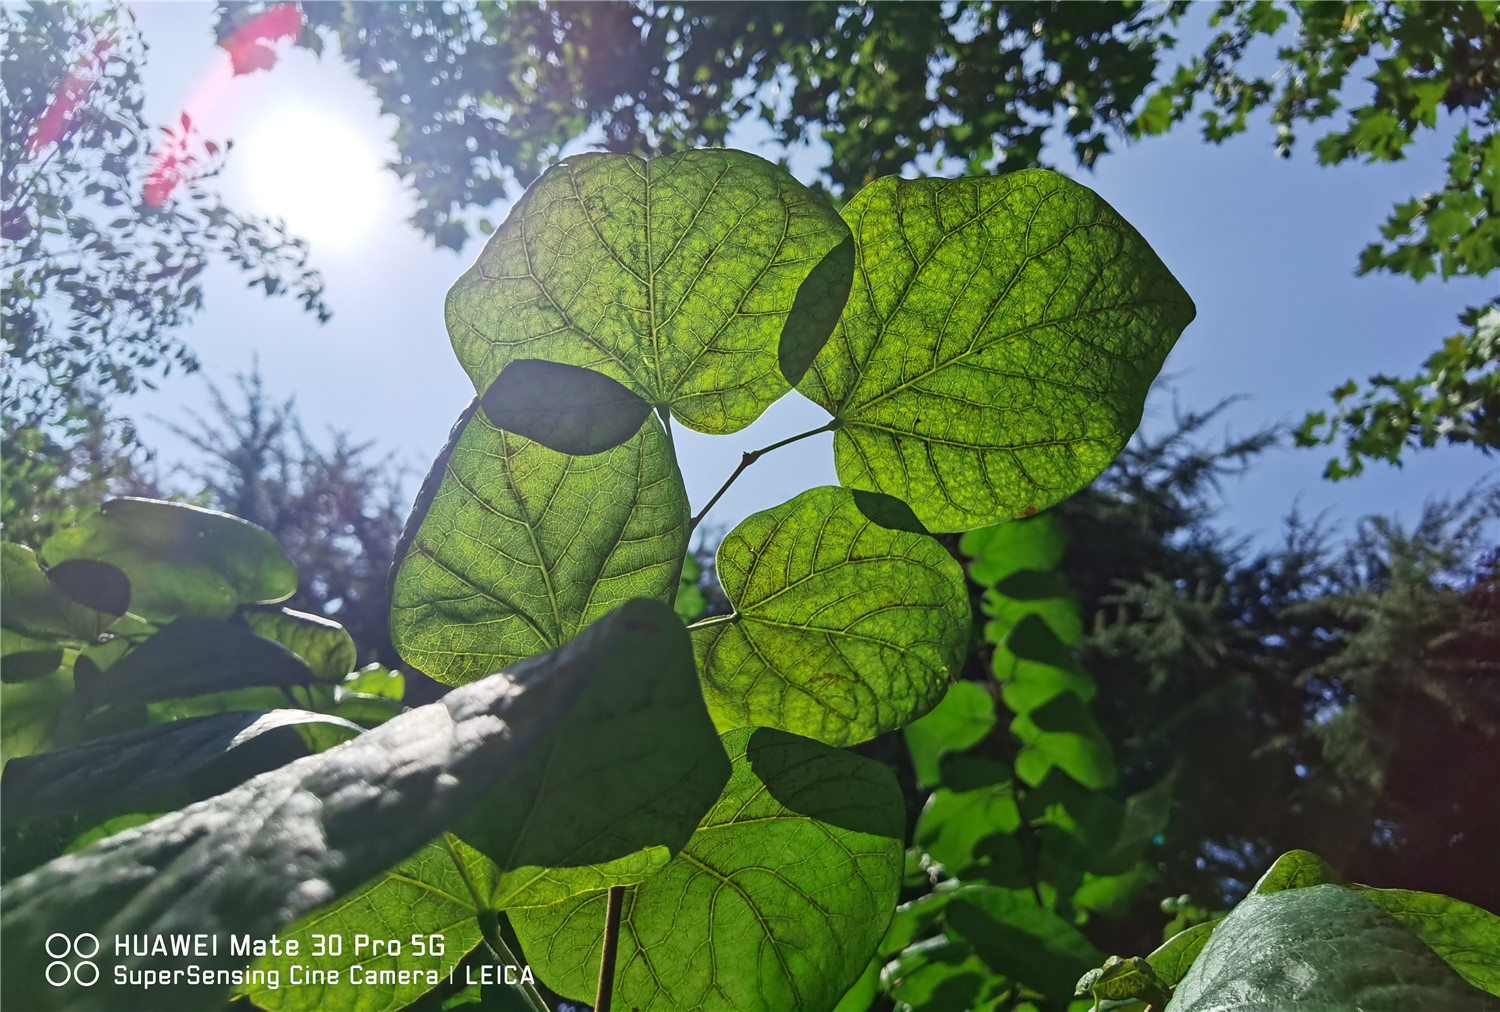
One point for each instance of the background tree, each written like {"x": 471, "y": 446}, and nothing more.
{"x": 486, "y": 96}
{"x": 107, "y": 227}
{"x": 336, "y": 510}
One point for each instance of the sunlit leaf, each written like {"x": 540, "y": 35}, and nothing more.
{"x": 963, "y": 717}
{"x": 514, "y": 547}
{"x": 997, "y": 345}
{"x": 702, "y": 281}
{"x": 776, "y": 903}
{"x": 842, "y": 628}
{"x": 31, "y": 605}
{"x": 1319, "y": 947}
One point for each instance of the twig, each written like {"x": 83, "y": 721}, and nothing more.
{"x": 750, "y": 458}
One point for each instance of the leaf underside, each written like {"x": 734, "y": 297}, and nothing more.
{"x": 997, "y": 345}
{"x": 845, "y": 629}
{"x": 693, "y": 279}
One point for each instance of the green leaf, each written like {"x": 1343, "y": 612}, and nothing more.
{"x": 190, "y": 657}
{"x": 324, "y": 645}
{"x": 23, "y": 658}
{"x": 130, "y": 771}
{"x": 272, "y": 850}
{"x": 615, "y": 792}
{"x": 1062, "y": 733}
{"x": 374, "y": 680}
{"x": 39, "y": 715}
{"x": 1172, "y": 959}
{"x": 424, "y": 896}
{"x": 701, "y": 281}
{"x": 180, "y": 560}
{"x": 998, "y": 551}
{"x": 1317, "y": 947}
{"x": 1022, "y": 940}
{"x": 518, "y": 547}
{"x": 997, "y": 344}
{"x": 32, "y": 606}
{"x": 962, "y": 718}
{"x": 1466, "y": 936}
{"x": 843, "y": 629}
{"x": 954, "y": 824}
{"x": 1035, "y": 667}
{"x": 1296, "y": 869}
{"x": 565, "y": 408}
{"x": 732, "y": 922}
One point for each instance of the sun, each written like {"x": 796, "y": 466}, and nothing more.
{"x": 311, "y": 170}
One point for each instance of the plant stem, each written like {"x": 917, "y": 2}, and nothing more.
{"x": 750, "y": 458}
{"x": 666, "y": 424}
{"x": 489, "y": 928}
{"x": 611, "y": 949}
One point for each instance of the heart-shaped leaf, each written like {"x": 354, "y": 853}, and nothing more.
{"x": 702, "y": 281}
{"x": 842, "y": 628}
{"x": 731, "y": 922}
{"x": 33, "y": 606}
{"x": 996, "y": 348}
{"x": 180, "y": 560}
{"x": 512, "y": 547}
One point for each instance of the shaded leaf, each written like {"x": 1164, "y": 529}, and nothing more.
{"x": 180, "y": 560}
{"x": 1020, "y": 939}
{"x": 842, "y": 629}
{"x": 190, "y": 657}
{"x": 563, "y": 407}
{"x": 128, "y": 772}
{"x": 324, "y": 646}
{"x": 731, "y": 923}
{"x": 32, "y": 606}
{"x": 518, "y": 547}
{"x": 93, "y": 584}
{"x": 997, "y": 345}
{"x": 682, "y": 277}
{"x": 1466, "y": 936}
{"x": 299, "y": 837}
{"x": 23, "y": 658}
{"x": 1173, "y": 957}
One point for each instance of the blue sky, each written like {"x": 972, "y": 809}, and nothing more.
{"x": 1265, "y": 246}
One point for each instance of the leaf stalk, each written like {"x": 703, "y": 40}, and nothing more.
{"x": 605, "y": 993}
{"x": 751, "y": 457}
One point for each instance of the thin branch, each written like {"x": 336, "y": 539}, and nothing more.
{"x": 605, "y": 994}
{"x": 750, "y": 458}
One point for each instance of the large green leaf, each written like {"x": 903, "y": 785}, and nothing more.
{"x": 997, "y": 345}
{"x": 777, "y": 902}
{"x": 1466, "y": 936}
{"x": 297, "y": 838}
{"x": 702, "y": 281}
{"x": 615, "y": 792}
{"x": 514, "y": 547}
{"x": 324, "y": 646}
{"x": 129, "y": 771}
{"x": 33, "y": 607}
{"x": 424, "y": 896}
{"x": 180, "y": 560}
{"x": 1063, "y": 733}
{"x": 842, "y": 629}
{"x": 190, "y": 657}
{"x": 1319, "y": 947}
